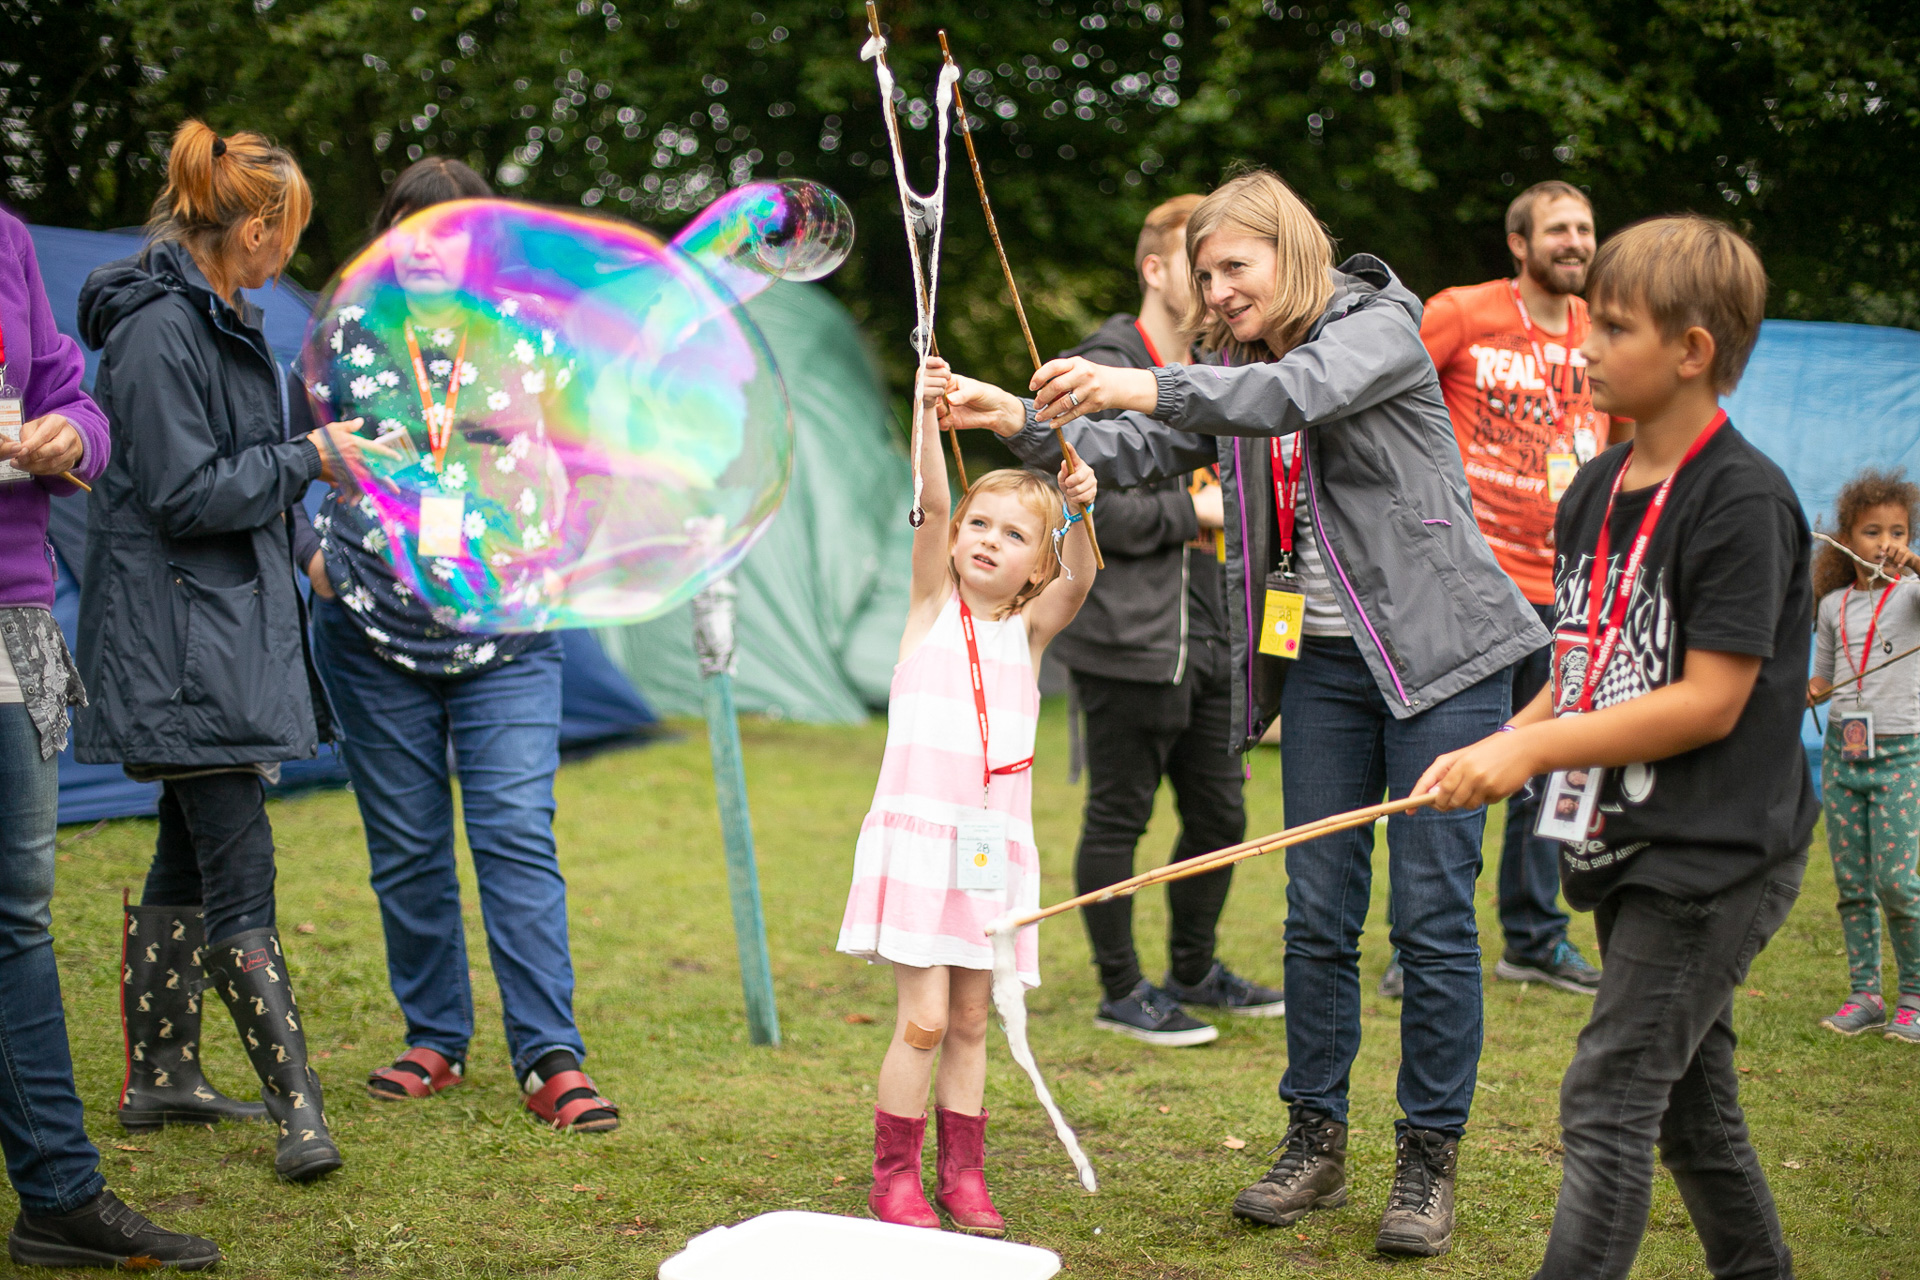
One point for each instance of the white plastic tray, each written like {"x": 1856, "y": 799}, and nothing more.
{"x": 821, "y": 1246}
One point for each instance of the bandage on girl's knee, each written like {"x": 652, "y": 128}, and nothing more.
{"x": 918, "y": 1037}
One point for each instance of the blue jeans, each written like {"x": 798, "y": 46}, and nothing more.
{"x": 1530, "y": 913}
{"x": 54, "y": 1168}
{"x": 504, "y": 729}
{"x": 1341, "y": 749}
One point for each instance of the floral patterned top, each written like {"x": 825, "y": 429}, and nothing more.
{"x": 496, "y": 454}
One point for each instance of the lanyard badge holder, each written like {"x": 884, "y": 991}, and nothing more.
{"x": 442, "y": 515}
{"x": 12, "y": 416}
{"x": 1286, "y": 604}
{"x": 1572, "y": 795}
{"x": 980, "y": 845}
{"x": 1856, "y": 726}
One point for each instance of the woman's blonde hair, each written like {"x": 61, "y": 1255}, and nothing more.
{"x": 1039, "y": 496}
{"x": 215, "y": 185}
{"x": 1259, "y": 204}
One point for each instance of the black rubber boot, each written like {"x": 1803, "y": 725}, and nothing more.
{"x": 105, "y": 1232}
{"x": 161, "y": 985}
{"x": 250, "y": 973}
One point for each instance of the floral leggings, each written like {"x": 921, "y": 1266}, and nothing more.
{"x": 1873, "y": 832}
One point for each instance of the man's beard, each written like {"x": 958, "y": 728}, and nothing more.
{"x": 1543, "y": 272}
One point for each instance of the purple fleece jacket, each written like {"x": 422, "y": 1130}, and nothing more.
{"x": 44, "y": 367}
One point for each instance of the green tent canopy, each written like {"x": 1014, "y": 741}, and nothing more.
{"x": 823, "y": 594}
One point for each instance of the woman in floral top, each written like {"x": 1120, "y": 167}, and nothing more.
{"x": 461, "y": 395}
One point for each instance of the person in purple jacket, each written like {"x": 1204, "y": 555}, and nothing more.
{"x": 50, "y": 432}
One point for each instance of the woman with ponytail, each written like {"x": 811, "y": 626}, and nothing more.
{"x": 193, "y": 636}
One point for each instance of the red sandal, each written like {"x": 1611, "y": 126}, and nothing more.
{"x": 442, "y": 1073}
{"x": 545, "y": 1103}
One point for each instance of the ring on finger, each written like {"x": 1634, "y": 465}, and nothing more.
{"x": 1074, "y": 398}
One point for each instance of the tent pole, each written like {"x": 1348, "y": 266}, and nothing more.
{"x": 713, "y": 642}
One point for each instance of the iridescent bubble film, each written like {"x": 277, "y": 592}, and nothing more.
{"x": 573, "y": 423}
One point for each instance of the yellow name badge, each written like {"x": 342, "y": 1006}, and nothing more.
{"x": 1280, "y": 628}
{"x": 1561, "y": 468}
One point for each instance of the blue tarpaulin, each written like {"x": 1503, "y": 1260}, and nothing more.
{"x": 597, "y": 703}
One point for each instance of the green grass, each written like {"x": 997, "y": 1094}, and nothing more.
{"x": 716, "y": 1130}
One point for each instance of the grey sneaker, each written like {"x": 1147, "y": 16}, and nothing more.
{"x": 1151, "y": 1015}
{"x": 1419, "y": 1217}
{"x": 1905, "y": 1025}
{"x": 1861, "y": 1011}
{"x": 1393, "y": 983}
{"x": 1564, "y": 967}
{"x": 1310, "y": 1174}
{"x": 1228, "y": 992}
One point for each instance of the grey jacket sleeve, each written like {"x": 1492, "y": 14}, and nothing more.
{"x": 175, "y": 463}
{"x": 1125, "y": 450}
{"x": 1361, "y": 360}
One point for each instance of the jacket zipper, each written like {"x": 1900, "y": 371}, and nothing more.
{"x": 1313, "y": 500}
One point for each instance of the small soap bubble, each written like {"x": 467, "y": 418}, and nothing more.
{"x": 575, "y": 423}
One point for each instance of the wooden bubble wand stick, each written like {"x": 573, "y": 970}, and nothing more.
{"x": 1228, "y": 856}
{"x": 1006, "y": 268}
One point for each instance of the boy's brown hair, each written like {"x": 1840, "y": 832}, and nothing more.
{"x": 1832, "y": 567}
{"x": 1687, "y": 270}
{"x": 1159, "y": 234}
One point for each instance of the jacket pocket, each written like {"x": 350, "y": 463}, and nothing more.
{"x": 230, "y": 686}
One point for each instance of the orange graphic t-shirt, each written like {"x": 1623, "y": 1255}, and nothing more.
{"x": 1520, "y": 444}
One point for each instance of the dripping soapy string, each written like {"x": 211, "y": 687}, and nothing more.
{"x": 1010, "y": 1000}
{"x": 925, "y": 216}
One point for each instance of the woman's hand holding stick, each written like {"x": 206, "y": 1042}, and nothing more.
{"x": 1226, "y": 857}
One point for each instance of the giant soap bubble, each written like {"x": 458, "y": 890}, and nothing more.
{"x": 577, "y": 424}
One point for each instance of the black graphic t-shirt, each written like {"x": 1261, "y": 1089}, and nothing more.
{"x": 1726, "y": 572}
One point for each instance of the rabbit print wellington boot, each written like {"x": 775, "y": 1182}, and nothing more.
{"x": 161, "y": 986}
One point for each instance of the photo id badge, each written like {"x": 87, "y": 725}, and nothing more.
{"x": 1561, "y": 468}
{"x": 1566, "y": 811}
{"x": 981, "y": 851}
{"x": 440, "y": 518}
{"x": 1856, "y": 734}
{"x": 1280, "y": 627}
{"x": 1585, "y": 444}
{"x": 11, "y": 421}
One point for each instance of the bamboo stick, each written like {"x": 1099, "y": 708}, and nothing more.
{"x": 1828, "y": 695}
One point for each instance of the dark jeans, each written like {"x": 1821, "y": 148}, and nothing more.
{"x": 1341, "y": 749}
{"x": 1655, "y": 1064}
{"x": 1137, "y": 733}
{"x": 504, "y": 729}
{"x": 215, "y": 850}
{"x": 1530, "y": 914}
{"x": 53, "y": 1166}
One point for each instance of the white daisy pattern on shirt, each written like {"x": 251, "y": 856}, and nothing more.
{"x": 523, "y": 351}
{"x": 534, "y": 381}
{"x": 498, "y": 400}
{"x": 362, "y": 387}
{"x": 361, "y": 356}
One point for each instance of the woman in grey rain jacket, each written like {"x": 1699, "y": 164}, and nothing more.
{"x": 1344, "y": 486}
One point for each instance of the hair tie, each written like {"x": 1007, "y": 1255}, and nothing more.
{"x": 219, "y": 147}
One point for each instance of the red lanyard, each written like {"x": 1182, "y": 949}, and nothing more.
{"x": 987, "y": 771}
{"x": 1286, "y": 490}
{"x": 1153, "y": 352}
{"x": 1866, "y": 650}
{"x": 1539, "y": 357}
{"x": 439, "y": 418}
{"x": 1600, "y": 654}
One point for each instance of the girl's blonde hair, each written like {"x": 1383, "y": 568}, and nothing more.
{"x": 1038, "y": 495}
{"x": 1833, "y": 568}
{"x": 215, "y": 185}
{"x": 1258, "y": 203}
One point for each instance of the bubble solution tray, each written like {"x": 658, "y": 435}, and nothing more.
{"x": 822, "y": 1246}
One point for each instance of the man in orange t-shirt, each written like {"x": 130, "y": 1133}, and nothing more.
{"x": 1508, "y": 353}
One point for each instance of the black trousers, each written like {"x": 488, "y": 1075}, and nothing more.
{"x": 1654, "y": 1065}
{"x": 1138, "y": 733}
{"x": 215, "y": 850}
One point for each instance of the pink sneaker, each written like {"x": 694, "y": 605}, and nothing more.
{"x": 1906, "y": 1025}
{"x": 1861, "y": 1011}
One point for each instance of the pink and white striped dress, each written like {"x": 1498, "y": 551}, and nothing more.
{"x": 903, "y": 906}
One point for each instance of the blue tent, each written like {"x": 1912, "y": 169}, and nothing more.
{"x": 598, "y": 704}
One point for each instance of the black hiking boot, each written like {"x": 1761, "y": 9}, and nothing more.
{"x": 250, "y": 973}
{"x": 105, "y": 1232}
{"x": 1311, "y": 1173}
{"x": 1419, "y": 1217}
{"x": 162, "y": 982}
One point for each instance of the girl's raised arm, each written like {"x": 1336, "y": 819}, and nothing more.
{"x": 1056, "y": 606}
{"x": 931, "y": 546}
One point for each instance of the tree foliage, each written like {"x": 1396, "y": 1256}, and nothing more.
{"x": 1409, "y": 126}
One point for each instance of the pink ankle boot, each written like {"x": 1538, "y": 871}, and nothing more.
{"x": 897, "y": 1195}
{"x": 961, "y": 1163}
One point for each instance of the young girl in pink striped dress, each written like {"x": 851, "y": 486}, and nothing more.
{"x": 948, "y": 845}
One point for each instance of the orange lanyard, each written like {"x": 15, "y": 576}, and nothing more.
{"x": 1866, "y": 650}
{"x": 1539, "y": 356}
{"x": 987, "y": 771}
{"x": 439, "y": 417}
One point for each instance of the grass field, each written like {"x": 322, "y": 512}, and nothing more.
{"x": 716, "y": 1130}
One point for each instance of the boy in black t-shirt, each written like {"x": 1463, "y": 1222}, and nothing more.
{"x": 1671, "y": 731}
